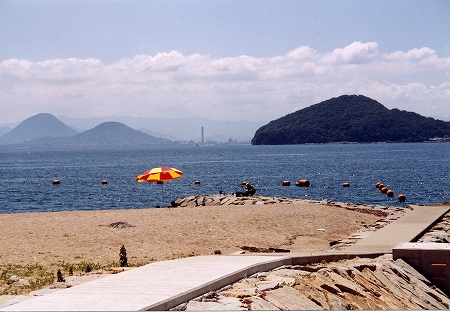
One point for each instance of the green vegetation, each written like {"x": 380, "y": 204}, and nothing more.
{"x": 16, "y": 279}
{"x": 350, "y": 118}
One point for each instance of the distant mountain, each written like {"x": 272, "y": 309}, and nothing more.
{"x": 350, "y": 118}
{"x": 47, "y": 131}
{"x": 38, "y": 126}
{"x": 184, "y": 129}
{"x": 158, "y": 134}
{"x": 114, "y": 134}
{"x": 4, "y": 130}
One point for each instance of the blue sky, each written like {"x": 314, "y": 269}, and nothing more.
{"x": 214, "y": 58}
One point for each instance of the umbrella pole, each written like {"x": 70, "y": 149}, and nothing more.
{"x": 162, "y": 188}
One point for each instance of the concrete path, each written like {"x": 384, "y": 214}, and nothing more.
{"x": 156, "y": 286}
{"x": 166, "y": 284}
{"x": 408, "y": 228}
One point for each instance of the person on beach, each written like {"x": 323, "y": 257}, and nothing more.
{"x": 250, "y": 189}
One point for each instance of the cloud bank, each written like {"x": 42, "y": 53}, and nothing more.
{"x": 173, "y": 85}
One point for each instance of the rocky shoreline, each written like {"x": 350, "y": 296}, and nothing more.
{"x": 357, "y": 284}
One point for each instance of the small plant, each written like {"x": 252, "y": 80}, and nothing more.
{"x": 88, "y": 268}
{"x": 123, "y": 257}
{"x": 59, "y": 277}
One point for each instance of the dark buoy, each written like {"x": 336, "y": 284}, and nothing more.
{"x": 384, "y": 190}
{"x": 197, "y": 182}
{"x": 390, "y": 193}
{"x": 401, "y": 198}
{"x": 244, "y": 182}
{"x": 377, "y": 185}
{"x": 381, "y": 186}
{"x": 346, "y": 184}
{"x": 303, "y": 183}
{"x": 56, "y": 182}
{"x": 104, "y": 182}
{"x": 286, "y": 183}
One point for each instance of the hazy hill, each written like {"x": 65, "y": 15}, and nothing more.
{"x": 114, "y": 134}
{"x": 4, "y": 130}
{"x": 350, "y": 118}
{"x": 47, "y": 131}
{"x": 184, "y": 129}
{"x": 37, "y": 126}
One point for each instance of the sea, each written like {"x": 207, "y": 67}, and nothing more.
{"x": 421, "y": 171}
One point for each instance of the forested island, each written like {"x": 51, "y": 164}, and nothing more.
{"x": 350, "y": 118}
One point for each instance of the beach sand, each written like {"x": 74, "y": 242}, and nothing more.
{"x": 55, "y": 239}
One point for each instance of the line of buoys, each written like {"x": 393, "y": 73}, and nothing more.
{"x": 286, "y": 183}
{"x": 196, "y": 182}
{"x": 390, "y": 193}
{"x": 104, "y": 181}
{"x": 303, "y": 183}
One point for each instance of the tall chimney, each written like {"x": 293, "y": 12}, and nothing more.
{"x": 203, "y": 136}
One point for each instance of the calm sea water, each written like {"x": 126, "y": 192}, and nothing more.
{"x": 419, "y": 170}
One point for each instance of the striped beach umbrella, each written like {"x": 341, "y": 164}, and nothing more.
{"x": 160, "y": 175}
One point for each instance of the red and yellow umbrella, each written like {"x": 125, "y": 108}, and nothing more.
{"x": 160, "y": 175}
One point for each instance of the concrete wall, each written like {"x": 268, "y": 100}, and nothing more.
{"x": 432, "y": 260}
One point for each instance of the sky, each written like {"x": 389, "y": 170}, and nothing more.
{"x": 220, "y": 59}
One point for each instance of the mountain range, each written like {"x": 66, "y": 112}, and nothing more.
{"x": 183, "y": 129}
{"x": 350, "y": 118}
{"x": 45, "y": 130}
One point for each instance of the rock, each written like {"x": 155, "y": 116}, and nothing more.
{"x": 199, "y": 201}
{"x": 238, "y": 293}
{"x": 337, "y": 304}
{"x": 120, "y": 225}
{"x": 259, "y": 304}
{"x": 183, "y": 202}
{"x": 223, "y": 303}
{"x": 227, "y": 200}
{"x": 288, "y": 298}
{"x": 267, "y": 285}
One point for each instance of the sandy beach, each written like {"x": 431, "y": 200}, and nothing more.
{"x": 163, "y": 233}
{"x": 58, "y": 239}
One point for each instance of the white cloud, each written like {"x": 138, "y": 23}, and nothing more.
{"x": 411, "y": 55}
{"x": 355, "y": 53}
{"x": 237, "y": 88}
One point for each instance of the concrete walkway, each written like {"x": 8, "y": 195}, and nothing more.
{"x": 408, "y": 228}
{"x": 166, "y": 284}
{"x": 156, "y": 286}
